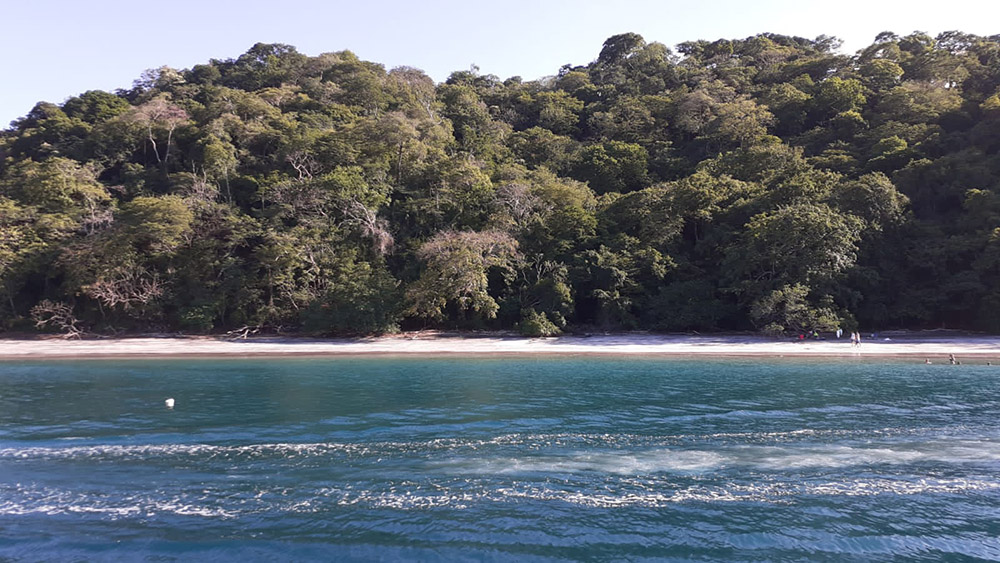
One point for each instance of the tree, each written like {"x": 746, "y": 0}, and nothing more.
{"x": 157, "y": 116}
{"x": 739, "y": 123}
{"x": 757, "y": 182}
{"x": 66, "y": 190}
{"x": 456, "y": 270}
{"x": 629, "y": 119}
{"x": 155, "y": 224}
{"x": 874, "y": 198}
{"x": 95, "y": 106}
{"x": 21, "y": 244}
{"x": 804, "y": 243}
{"x": 613, "y": 166}
{"x": 787, "y": 308}
{"x": 613, "y": 278}
{"x": 56, "y": 315}
{"x": 558, "y": 111}
{"x": 836, "y": 95}
{"x": 619, "y": 47}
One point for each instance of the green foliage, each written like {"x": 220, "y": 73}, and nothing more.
{"x": 363, "y": 300}
{"x": 156, "y": 224}
{"x": 788, "y": 309}
{"x": 537, "y": 324}
{"x": 56, "y": 186}
{"x": 456, "y": 268}
{"x": 801, "y": 243}
{"x": 613, "y": 167}
{"x": 200, "y": 319}
{"x": 558, "y": 111}
{"x": 875, "y": 199}
{"x": 538, "y": 147}
{"x": 836, "y": 95}
{"x": 95, "y": 106}
{"x": 620, "y": 47}
{"x": 685, "y": 305}
{"x": 763, "y": 182}
{"x": 615, "y": 278}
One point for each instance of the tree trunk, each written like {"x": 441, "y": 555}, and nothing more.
{"x": 10, "y": 298}
{"x": 153, "y": 142}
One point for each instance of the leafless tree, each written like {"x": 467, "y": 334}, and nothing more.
{"x": 156, "y": 113}
{"x": 518, "y": 200}
{"x": 371, "y": 225}
{"x": 304, "y": 164}
{"x": 57, "y": 315}
{"x": 127, "y": 288}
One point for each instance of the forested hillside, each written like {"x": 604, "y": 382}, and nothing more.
{"x": 768, "y": 183}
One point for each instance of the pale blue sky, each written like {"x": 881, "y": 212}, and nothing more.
{"x": 55, "y": 49}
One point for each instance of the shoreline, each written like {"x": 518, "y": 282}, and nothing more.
{"x": 936, "y": 348}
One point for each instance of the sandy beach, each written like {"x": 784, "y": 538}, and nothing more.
{"x": 935, "y": 347}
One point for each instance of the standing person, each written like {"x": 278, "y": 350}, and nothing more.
{"x": 840, "y": 332}
{"x": 859, "y": 339}
{"x": 854, "y": 339}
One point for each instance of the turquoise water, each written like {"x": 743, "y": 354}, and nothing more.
{"x": 499, "y": 459}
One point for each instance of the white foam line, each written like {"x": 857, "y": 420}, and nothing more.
{"x": 132, "y": 509}
{"x": 52, "y": 502}
{"x": 292, "y": 448}
{"x": 768, "y": 493}
{"x": 573, "y": 453}
{"x": 140, "y": 450}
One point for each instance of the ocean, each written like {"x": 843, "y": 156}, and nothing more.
{"x": 499, "y": 459}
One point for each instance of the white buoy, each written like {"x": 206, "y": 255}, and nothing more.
{"x": 170, "y": 403}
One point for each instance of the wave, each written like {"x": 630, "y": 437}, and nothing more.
{"x": 462, "y": 496}
{"x": 535, "y": 440}
{"x": 25, "y": 500}
{"x": 575, "y": 453}
{"x": 763, "y": 458}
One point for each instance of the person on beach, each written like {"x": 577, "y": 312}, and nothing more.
{"x": 854, "y": 339}
{"x": 840, "y": 332}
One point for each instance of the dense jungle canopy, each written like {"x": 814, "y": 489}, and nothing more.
{"x": 768, "y": 183}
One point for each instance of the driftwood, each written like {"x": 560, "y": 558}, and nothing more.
{"x": 244, "y": 331}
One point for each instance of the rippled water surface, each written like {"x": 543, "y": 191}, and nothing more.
{"x": 526, "y": 459}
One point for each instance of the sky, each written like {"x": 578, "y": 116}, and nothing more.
{"x": 57, "y": 49}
